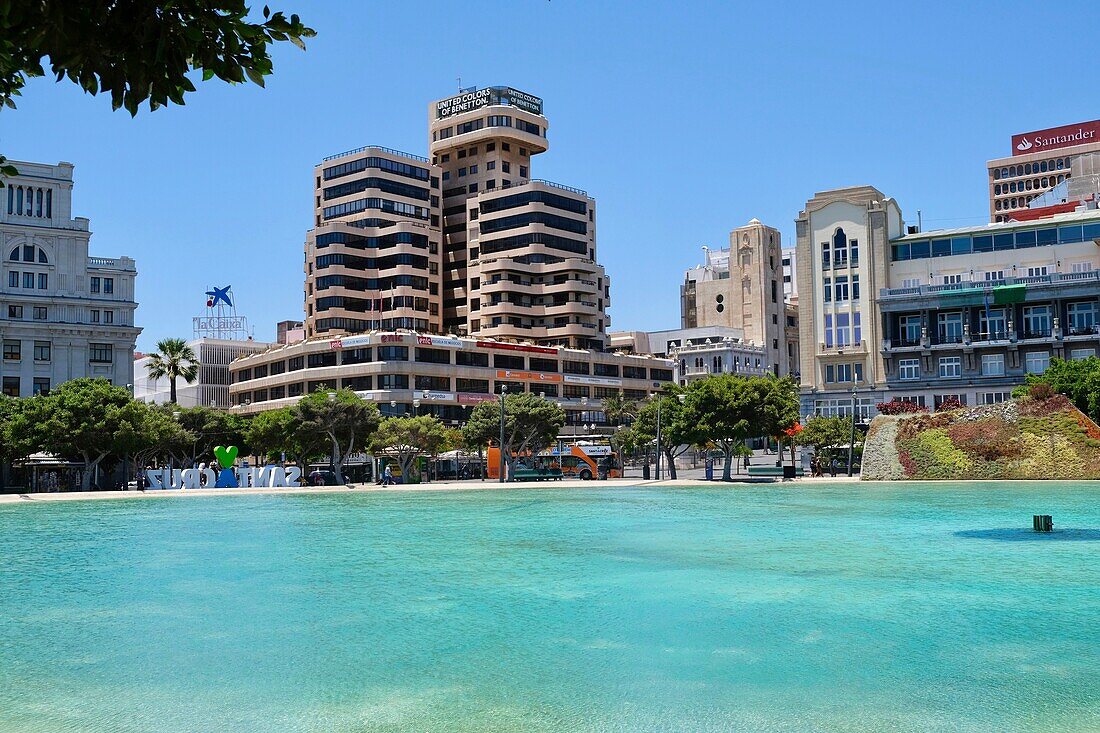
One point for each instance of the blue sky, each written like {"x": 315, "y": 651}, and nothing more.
{"x": 683, "y": 119}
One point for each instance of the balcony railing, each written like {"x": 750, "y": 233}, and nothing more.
{"x": 391, "y": 151}
{"x": 1055, "y": 278}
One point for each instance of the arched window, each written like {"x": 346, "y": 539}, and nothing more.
{"x": 42, "y": 259}
{"x": 996, "y": 174}
{"x": 14, "y": 256}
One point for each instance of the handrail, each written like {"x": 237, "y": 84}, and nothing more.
{"x": 391, "y": 151}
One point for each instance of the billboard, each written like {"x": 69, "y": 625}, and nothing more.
{"x": 473, "y": 99}
{"x": 1052, "y": 138}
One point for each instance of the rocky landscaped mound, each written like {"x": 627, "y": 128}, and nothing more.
{"x": 1026, "y": 438}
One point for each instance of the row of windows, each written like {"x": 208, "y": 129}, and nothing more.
{"x": 97, "y": 353}
{"x": 523, "y": 240}
{"x": 15, "y": 312}
{"x": 1011, "y": 204}
{"x": 360, "y": 242}
{"x": 359, "y": 325}
{"x": 489, "y": 121}
{"x": 28, "y": 279}
{"x": 382, "y": 184}
{"x": 106, "y": 284}
{"x": 841, "y": 252}
{"x": 392, "y": 207}
{"x": 1037, "y": 322}
{"x": 1031, "y": 184}
{"x": 11, "y": 386}
{"x": 366, "y": 305}
{"x": 994, "y": 242}
{"x": 29, "y": 253}
{"x": 355, "y": 166}
{"x": 544, "y": 197}
{"x": 372, "y": 283}
{"x": 341, "y": 259}
{"x": 1026, "y": 169}
{"x": 992, "y": 365}
{"x": 534, "y": 217}
{"x": 837, "y": 289}
{"x": 426, "y": 355}
{"x": 29, "y": 201}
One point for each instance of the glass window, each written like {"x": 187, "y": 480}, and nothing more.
{"x": 41, "y": 386}
{"x": 471, "y": 358}
{"x": 13, "y": 279}
{"x": 12, "y": 351}
{"x": 1069, "y": 234}
{"x": 41, "y": 350}
{"x": 993, "y": 365}
{"x": 40, "y": 313}
{"x": 1044, "y": 237}
{"x": 43, "y": 281}
{"x": 1002, "y": 241}
{"x": 1037, "y": 321}
{"x": 15, "y": 311}
{"x": 108, "y": 285}
{"x": 1036, "y": 362}
{"x": 983, "y": 243}
{"x": 94, "y": 284}
{"x": 941, "y": 247}
{"x": 393, "y": 381}
{"x": 11, "y": 384}
{"x": 950, "y": 366}
{"x": 909, "y": 369}
{"x": 991, "y": 323}
{"x": 909, "y": 327}
{"x": 960, "y": 245}
{"x": 393, "y": 353}
{"x": 1082, "y": 318}
{"x": 951, "y": 328}
{"x": 28, "y": 280}
{"x": 921, "y": 250}
{"x": 100, "y": 353}
{"x": 1078, "y": 354}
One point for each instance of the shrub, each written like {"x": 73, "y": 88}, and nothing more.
{"x": 1040, "y": 391}
{"x": 988, "y": 439}
{"x": 950, "y": 402}
{"x": 935, "y": 457}
{"x": 1043, "y": 408}
{"x": 912, "y": 427}
{"x": 899, "y": 407}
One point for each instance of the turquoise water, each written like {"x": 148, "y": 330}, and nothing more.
{"x": 766, "y": 608}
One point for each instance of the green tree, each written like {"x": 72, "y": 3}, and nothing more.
{"x": 87, "y": 418}
{"x": 205, "y": 427}
{"x": 729, "y": 409}
{"x": 679, "y": 431}
{"x": 152, "y": 434}
{"x": 273, "y": 432}
{"x": 344, "y": 418}
{"x": 826, "y": 434}
{"x": 139, "y": 51}
{"x": 405, "y": 438}
{"x": 619, "y": 409}
{"x": 19, "y": 434}
{"x": 531, "y": 423}
{"x": 174, "y": 358}
{"x": 1077, "y": 379}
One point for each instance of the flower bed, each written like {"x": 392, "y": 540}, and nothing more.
{"x": 1028, "y": 438}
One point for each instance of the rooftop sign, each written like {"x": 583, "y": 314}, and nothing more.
{"x": 469, "y": 101}
{"x": 1056, "y": 137}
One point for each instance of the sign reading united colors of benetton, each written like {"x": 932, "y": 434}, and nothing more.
{"x": 478, "y": 98}
{"x": 1056, "y": 137}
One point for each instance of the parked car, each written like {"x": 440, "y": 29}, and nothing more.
{"x": 322, "y": 477}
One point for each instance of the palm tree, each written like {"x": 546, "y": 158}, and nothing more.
{"x": 175, "y": 358}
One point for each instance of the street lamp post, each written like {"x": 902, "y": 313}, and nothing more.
{"x": 503, "y": 394}
{"x": 852, "y": 438}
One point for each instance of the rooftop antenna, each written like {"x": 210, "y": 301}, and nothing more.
{"x": 459, "y": 80}
{"x": 920, "y": 223}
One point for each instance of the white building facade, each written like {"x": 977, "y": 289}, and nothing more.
{"x": 211, "y": 386}
{"x": 63, "y": 314}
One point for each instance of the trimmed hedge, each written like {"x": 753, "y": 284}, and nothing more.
{"x": 1029, "y": 439}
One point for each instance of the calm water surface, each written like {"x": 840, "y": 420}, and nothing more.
{"x": 832, "y": 608}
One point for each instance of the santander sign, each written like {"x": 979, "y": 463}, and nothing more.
{"x": 1056, "y": 137}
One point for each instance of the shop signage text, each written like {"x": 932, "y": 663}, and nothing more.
{"x": 1056, "y": 137}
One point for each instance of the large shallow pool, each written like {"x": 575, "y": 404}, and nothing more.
{"x": 817, "y": 608}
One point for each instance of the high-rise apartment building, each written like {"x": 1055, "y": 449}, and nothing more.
{"x": 432, "y": 284}
{"x": 374, "y": 257}
{"x": 742, "y": 287}
{"x": 519, "y": 253}
{"x": 1039, "y": 162}
{"x": 63, "y": 314}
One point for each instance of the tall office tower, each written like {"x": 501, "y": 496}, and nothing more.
{"x": 374, "y": 259}
{"x": 519, "y": 254}
{"x": 742, "y": 287}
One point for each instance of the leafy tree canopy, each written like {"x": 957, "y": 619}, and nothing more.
{"x": 405, "y": 438}
{"x": 531, "y": 423}
{"x": 139, "y": 51}
{"x": 1077, "y": 379}
{"x": 341, "y": 415}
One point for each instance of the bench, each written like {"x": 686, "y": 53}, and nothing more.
{"x": 537, "y": 474}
